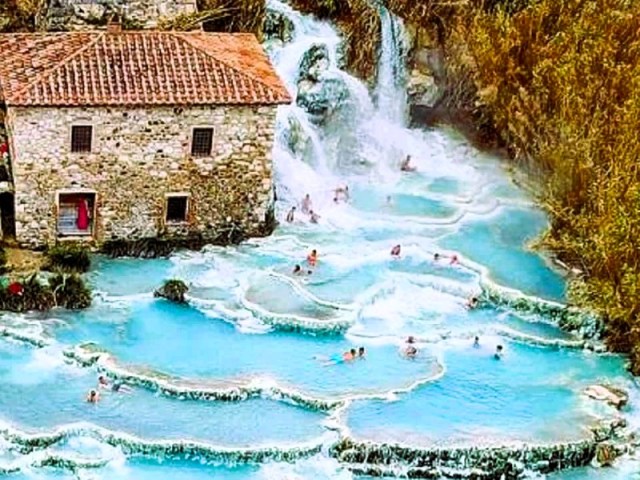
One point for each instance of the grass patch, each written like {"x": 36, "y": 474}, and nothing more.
{"x": 68, "y": 259}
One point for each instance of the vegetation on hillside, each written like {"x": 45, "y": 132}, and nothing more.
{"x": 558, "y": 82}
{"x": 19, "y": 15}
{"x": 360, "y": 24}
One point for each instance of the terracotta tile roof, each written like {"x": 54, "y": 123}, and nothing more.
{"x": 136, "y": 68}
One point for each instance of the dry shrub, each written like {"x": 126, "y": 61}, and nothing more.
{"x": 235, "y": 15}
{"x": 560, "y": 81}
{"x": 20, "y": 15}
{"x": 359, "y": 22}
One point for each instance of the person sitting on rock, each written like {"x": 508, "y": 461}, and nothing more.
{"x": 291, "y": 215}
{"x": 406, "y": 166}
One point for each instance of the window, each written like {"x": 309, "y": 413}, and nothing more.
{"x": 177, "y": 208}
{"x": 75, "y": 214}
{"x": 81, "y": 136}
{"x": 202, "y": 142}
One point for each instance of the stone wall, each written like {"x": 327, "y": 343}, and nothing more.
{"x": 138, "y": 157}
{"x": 87, "y": 14}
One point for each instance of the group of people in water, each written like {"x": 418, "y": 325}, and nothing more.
{"x": 340, "y": 194}
{"x": 103, "y": 384}
{"x": 409, "y": 350}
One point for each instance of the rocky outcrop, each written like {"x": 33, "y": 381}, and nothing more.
{"x": 426, "y": 73}
{"x": 65, "y": 15}
{"x": 172, "y": 290}
{"x": 321, "y": 92}
{"x": 615, "y": 397}
{"x": 278, "y": 27}
{"x": 472, "y": 462}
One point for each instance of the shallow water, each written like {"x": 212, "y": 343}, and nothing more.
{"x": 255, "y": 329}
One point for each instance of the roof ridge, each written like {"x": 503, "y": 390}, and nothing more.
{"x": 46, "y": 72}
{"x": 184, "y": 38}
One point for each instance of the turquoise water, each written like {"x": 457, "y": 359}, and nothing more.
{"x": 253, "y": 328}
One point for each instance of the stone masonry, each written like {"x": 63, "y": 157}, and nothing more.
{"x": 138, "y": 157}
{"x": 73, "y": 15}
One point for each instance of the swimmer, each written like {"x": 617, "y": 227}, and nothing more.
{"x": 339, "y": 358}
{"x": 297, "y": 270}
{"x": 93, "y": 396}
{"x": 361, "y": 353}
{"x": 498, "y": 354}
{"x": 406, "y": 166}
{"x": 291, "y": 215}
{"x": 454, "y": 260}
{"x": 335, "y": 200}
{"x": 312, "y": 258}
{"x": 102, "y": 382}
{"x": 306, "y": 204}
{"x": 116, "y": 386}
{"x": 471, "y": 303}
{"x": 476, "y": 342}
{"x": 389, "y": 200}
{"x": 436, "y": 257}
{"x": 313, "y": 217}
{"x": 410, "y": 351}
{"x": 395, "y": 251}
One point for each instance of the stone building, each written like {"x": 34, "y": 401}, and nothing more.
{"x": 129, "y": 135}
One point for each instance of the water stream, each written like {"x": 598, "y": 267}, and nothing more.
{"x": 236, "y": 385}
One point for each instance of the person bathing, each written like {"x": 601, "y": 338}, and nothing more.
{"x": 306, "y": 204}
{"x": 312, "y": 258}
{"x": 298, "y": 271}
{"x": 93, "y": 396}
{"x": 395, "y": 251}
{"x": 406, "y": 166}
{"x": 472, "y": 303}
{"x": 291, "y": 215}
{"x": 313, "y": 217}
{"x": 341, "y": 193}
{"x": 410, "y": 350}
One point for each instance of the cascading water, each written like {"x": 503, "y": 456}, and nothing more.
{"x": 390, "y": 91}
{"x": 241, "y": 385}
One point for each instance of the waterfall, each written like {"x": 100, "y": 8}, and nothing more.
{"x": 335, "y": 128}
{"x": 389, "y": 90}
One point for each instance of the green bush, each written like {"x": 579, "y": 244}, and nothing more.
{"x": 173, "y": 290}
{"x": 35, "y": 296}
{"x": 70, "y": 291}
{"x": 68, "y": 259}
